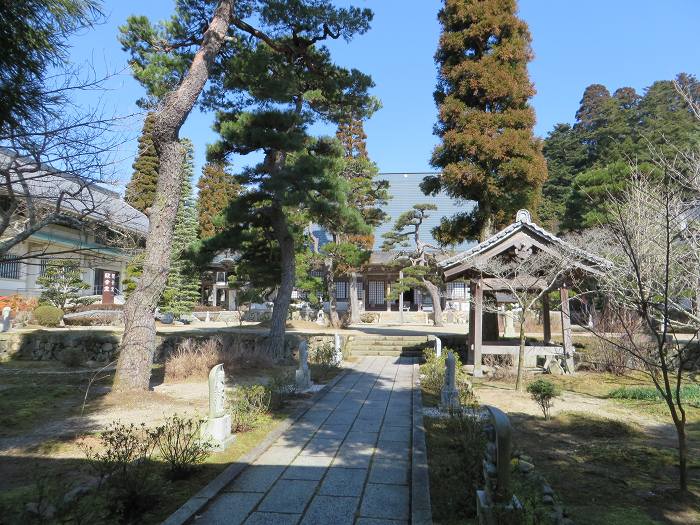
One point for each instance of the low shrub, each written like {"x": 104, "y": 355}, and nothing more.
{"x": 246, "y": 405}
{"x": 543, "y": 393}
{"x": 587, "y": 426}
{"x": 193, "y": 360}
{"x": 98, "y": 318}
{"x": 456, "y": 446}
{"x": 126, "y": 472}
{"x": 369, "y": 318}
{"x": 649, "y": 393}
{"x": 72, "y": 357}
{"x": 324, "y": 355}
{"x": 178, "y": 441}
{"x": 47, "y": 315}
{"x": 282, "y": 385}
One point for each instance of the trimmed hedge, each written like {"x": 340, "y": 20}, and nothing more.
{"x": 47, "y": 315}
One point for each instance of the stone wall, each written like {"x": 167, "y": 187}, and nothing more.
{"x": 101, "y": 345}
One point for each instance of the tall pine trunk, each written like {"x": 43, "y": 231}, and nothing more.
{"x": 434, "y": 292}
{"x": 280, "y": 311}
{"x": 139, "y": 340}
{"x": 330, "y": 291}
{"x": 354, "y": 301}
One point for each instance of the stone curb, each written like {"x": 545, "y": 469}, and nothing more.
{"x": 197, "y": 502}
{"x": 421, "y": 513}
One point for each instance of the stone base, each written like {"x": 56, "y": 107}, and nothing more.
{"x": 303, "y": 379}
{"x": 449, "y": 399}
{"x": 218, "y": 432}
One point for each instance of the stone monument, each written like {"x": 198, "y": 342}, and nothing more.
{"x": 449, "y": 395}
{"x": 6, "y": 322}
{"x": 303, "y": 374}
{"x": 338, "y": 350}
{"x": 321, "y": 318}
{"x": 218, "y": 427}
{"x": 438, "y": 347}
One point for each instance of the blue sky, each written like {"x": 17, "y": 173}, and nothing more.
{"x": 616, "y": 43}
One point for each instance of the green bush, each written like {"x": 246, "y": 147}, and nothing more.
{"x": 433, "y": 375}
{"x": 247, "y": 404}
{"x": 324, "y": 355}
{"x": 127, "y": 475}
{"x": 282, "y": 385}
{"x": 47, "y": 315}
{"x": 179, "y": 444}
{"x": 650, "y": 393}
{"x": 543, "y": 392}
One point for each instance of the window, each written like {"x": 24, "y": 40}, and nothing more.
{"x": 9, "y": 267}
{"x": 220, "y": 277}
{"x": 341, "y": 290}
{"x": 43, "y": 264}
{"x": 376, "y": 292}
{"x": 361, "y": 290}
{"x": 457, "y": 290}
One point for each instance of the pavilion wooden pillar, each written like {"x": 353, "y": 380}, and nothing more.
{"x": 470, "y": 334}
{"x": 386, "y": 296}
{"x": 566, "y": 328}
{"x": 401, "y": 299}
{"x": 546, "y": 320}
{"x": 478, "y": 320}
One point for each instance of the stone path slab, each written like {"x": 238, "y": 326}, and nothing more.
{"x": 347, "y": 460}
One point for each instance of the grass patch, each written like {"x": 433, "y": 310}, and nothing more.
{"x": 590, "y": 426}
{"x": 690, "y": 393}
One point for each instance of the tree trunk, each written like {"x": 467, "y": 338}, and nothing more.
{"x": 139, "y": 341}
{"x": 354, "y": 301}
{"x": 330, "y": 291}
{"x": 434, "y": 292}
{"x": 280, "y": 311}
{"x": 682, "y": 456}
{"x": 521, "y": 355}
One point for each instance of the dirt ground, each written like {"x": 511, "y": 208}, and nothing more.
{"x": 612, "y": 462}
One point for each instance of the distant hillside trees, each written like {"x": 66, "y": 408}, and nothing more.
{"x": 593, "y": 159}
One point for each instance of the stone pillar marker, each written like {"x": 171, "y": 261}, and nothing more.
{"x": 508, "y": 321}
{"x": 449, "y": 395}
{"x": 438, "y": 347}
{"x": 6, "y": 322}
{"x": 218, "y": 426}
{"x": 303, "y": 374}
{"x": 338, "y": 350}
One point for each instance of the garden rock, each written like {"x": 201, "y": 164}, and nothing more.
{"x": 525, "y": 467}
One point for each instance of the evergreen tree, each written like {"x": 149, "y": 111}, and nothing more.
{"x": 488, "y": 153}
{"x": 417, "y": 259}
{"x": 351, "y": 134}
{"x": 182, "y": 291}
{"x": 276, "y": 91}
{"x": 62, "y": 283}
{"x": 591, "y": 160}
{"x": 141, "y": 190}
{"x": 216, "y": 189}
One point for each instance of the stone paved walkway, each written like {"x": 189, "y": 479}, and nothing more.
{"x": 346, "y": 461}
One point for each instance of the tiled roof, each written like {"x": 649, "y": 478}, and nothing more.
{"x": 81, "y": 197}
{"x": 523, "y": 222}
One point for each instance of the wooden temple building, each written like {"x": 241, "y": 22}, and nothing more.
{"x": 519, "y": 241}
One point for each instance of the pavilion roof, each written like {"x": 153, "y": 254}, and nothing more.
{"x": 523, "y": 230}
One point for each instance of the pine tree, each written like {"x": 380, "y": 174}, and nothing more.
{"x": 141, "y": 190}
{"x": 182, "y": 291}
{"x": 488, "y": 153}
{"x": 351, "y": 134}
{"x": 216, "y": 189}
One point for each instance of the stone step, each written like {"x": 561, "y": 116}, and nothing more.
{"x": 412, "y": 339}
{"x": 364, "y": 342}
{"x": 390, "y": 353}
{"x": 356, "y": 349}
